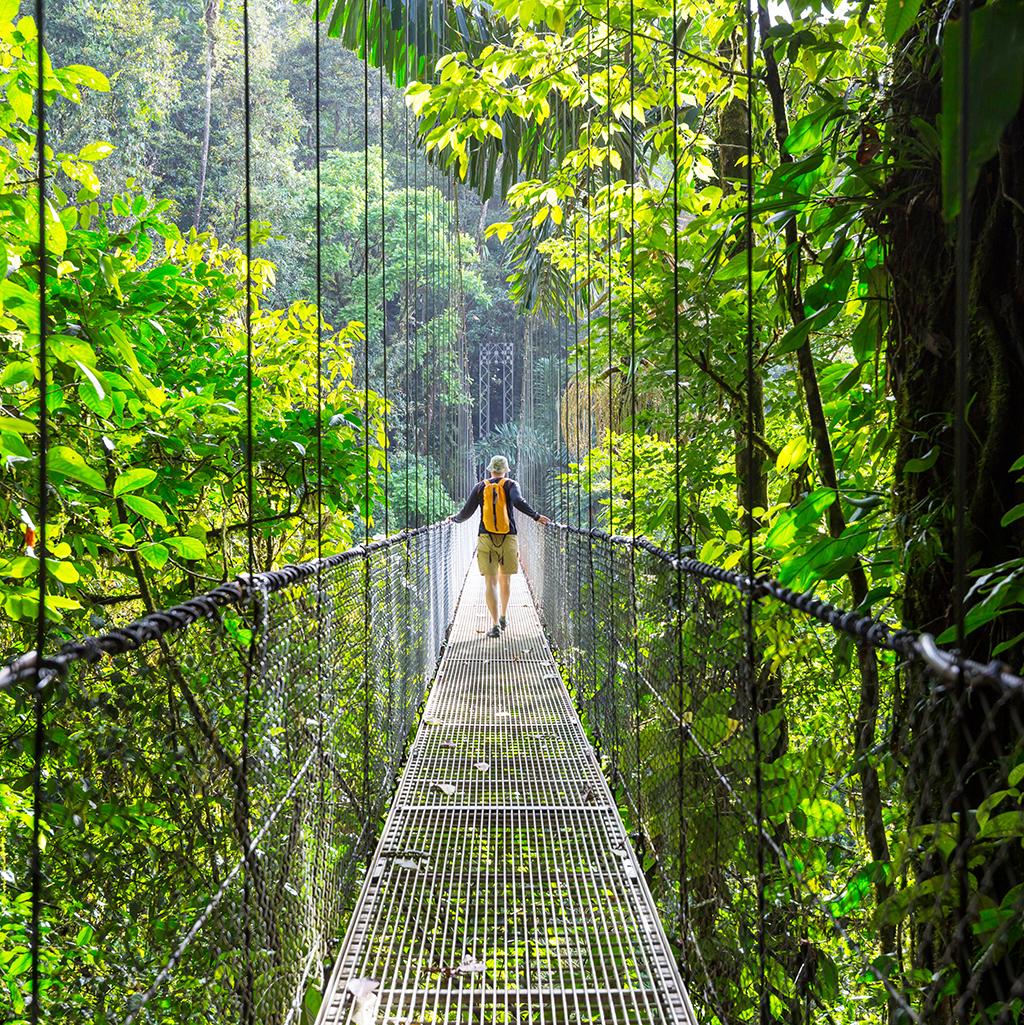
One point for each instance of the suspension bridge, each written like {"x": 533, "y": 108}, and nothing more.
{"x": 582, "y": 825}
{"x": 318, "y": 793}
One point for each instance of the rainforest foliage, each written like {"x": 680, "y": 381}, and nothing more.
{"x": 147, "y": 307}
{"x": 610, "y": 143}
{"x": 657, "y": 183}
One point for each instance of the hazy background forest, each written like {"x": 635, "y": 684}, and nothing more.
{"x": 174, "y": 118}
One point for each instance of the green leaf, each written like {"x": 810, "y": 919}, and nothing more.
{"x": 93, "y": 380}
{"x": 830, "y": 290}
{"x": 866, "y": 335}
{"x": 155, "y": 554}
{"x": 187, "y": 547}
{"x": 795, "y": 337}
{"x": 995, "y": 90}
{"x": 144, "y": 507}
{"x": 68, "y": 463}
{"x": 806, "y": 133}
{"x": 19, "y": 99}
{"x": 56, "y": 233}
{"x": 65, "y": 572}
{"x": 793, "y": 453}
{"x": 1012, "y": 516}
{"x": 791, "y": 521}
{"x": 96, "y": 151}
{"x": 132, "y": 480}
{"x": 899, "y": 16}
{"x": 17, "y": 425}
{"x": 925, "y": 462}
{"x": 82, "y": 74}
{"x": 12, "y": 445}
{"x": 1006, "y": 826}
{"x": 821, "y": 817}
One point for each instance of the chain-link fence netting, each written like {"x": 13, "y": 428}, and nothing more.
{"x": 829, "y": 813}
{"x": 214, "y": 778}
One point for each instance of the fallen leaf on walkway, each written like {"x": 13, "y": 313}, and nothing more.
{"x": 361, "y": 988}
{"x": 445, "y": 788}
{"x": 471, "y": 964}
{"x": 482, "y": 766}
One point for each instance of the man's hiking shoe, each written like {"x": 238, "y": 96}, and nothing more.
{"x": 493, "y": 632}
{"x": 502, "y": 622}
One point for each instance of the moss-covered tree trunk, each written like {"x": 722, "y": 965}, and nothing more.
{"x": 960, "y": 745}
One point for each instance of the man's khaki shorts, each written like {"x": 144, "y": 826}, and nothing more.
{"x": 496, "y": 552}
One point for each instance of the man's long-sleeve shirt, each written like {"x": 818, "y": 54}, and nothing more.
{"x": 514, "y": 500}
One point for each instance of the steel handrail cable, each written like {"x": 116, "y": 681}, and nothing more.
{"x": 909, "y": 644}
{"x": 154, "y": 625}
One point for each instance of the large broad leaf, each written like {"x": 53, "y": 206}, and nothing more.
{"x": 995, "y": 89}
{"x": 407, "y": 37}
{"x": 132, "y": 480}
{"x": 144, "y": 507}
{"x": 899, "y": 16}
{"x": 187, "y": 547}
{"x": 806, "y": 133}
{"x": 68, "y": 463}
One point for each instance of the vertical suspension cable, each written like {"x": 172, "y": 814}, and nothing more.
{"x": 961, "y": 373}
{"x": 248, "y": 1000}
{"x": 443, "y": 407}
{"x": 608, "y": 208}
{"x": 249, "y": 440}
{"x": 384, "y": 284}
{"x": 641, "y": 827}
{"x": 589, "y": 299}
{"x": 394, "y": 755}
{"x": 42, "y": 524}
{"x": 428, "y": 326}
{"x": 366, "y": 412}
{"x": 684, "y": 899}
{"x": 416, "y": 235}
{"x": 754, "y": 695}
{"x": 406, "y": 306}
{"x": 576, "y": 338}
{"x": 962, "y": 327}
{"x": 317, "y": 152}
{"x": 320, "y": 864}
{"x": 613, "y": 660}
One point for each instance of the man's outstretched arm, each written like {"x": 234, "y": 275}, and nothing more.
{"x": 472, "y": 503}
{"x": 516, "y": 497}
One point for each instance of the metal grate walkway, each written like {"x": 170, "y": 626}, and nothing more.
{"x": 504, "y": 888}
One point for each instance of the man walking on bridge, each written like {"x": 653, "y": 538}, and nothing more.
{"x": 497, "y": 550}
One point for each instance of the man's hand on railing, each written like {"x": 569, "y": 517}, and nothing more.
{"x": 543, "y": 519}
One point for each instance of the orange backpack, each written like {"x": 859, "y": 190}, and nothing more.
{"x": 494, "y": 506}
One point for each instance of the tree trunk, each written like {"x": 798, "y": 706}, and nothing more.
{"x": 868, "y": 700}
{"x": 959, "y": 743}
{"x": 211, "y": 18}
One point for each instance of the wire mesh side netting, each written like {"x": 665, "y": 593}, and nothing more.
{"x": 826, "y": 844}
{"x": 210, "y": 798}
